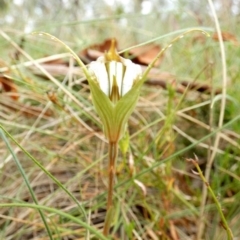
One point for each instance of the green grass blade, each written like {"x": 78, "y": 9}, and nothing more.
{"x": 46, "y": 172}
{"x": 58, "y": 212}
{"x": 20, "y": 168}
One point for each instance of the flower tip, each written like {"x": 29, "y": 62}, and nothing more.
{"x": 112, "y": 54}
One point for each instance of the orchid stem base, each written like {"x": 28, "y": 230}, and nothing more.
{"x": 112, "y": 155}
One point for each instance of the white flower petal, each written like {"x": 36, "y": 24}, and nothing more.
{"x": 125, "y": 72}
{"x": 101, "y": 59}
{"x": 100, "y": 72}
{"x": 119, "y": 76}
{"x": 133, "y": 71}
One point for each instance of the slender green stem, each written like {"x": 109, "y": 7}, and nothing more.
{"x": 218, "y": 205}
{"x": 112, "y": 156}
{"x": 113, "y": 151}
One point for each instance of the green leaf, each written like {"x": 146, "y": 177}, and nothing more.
{"x": 103, "y": 106}
{"x": 114, "y": 117}
{"x": 126, "y": 105}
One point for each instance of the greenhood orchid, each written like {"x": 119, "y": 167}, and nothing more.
{"x": 115, "y": 84}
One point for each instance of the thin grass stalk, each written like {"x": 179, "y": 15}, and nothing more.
{"x": 217, "y": 203}
{"x": 112, "y": 156}
{"x": 220, "y": 121}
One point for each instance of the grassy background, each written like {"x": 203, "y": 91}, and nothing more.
{"x": 65, "y": 137}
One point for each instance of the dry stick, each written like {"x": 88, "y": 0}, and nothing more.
{"x": 218, "y": 205}
{"x": 220, "y": 122}
{"x": 112, "y": 156}
{"x": 39, "y": 61}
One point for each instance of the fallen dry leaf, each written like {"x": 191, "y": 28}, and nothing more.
{"x": 7, "y": 84}
{"x": 226, "y": 37}
{"x": 144, "y": 55}
{"x": 94, "y": 51}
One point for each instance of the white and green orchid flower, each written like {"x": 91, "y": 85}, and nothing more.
{"x": 115, "y": 75}
{"x": 115, "y": 84}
